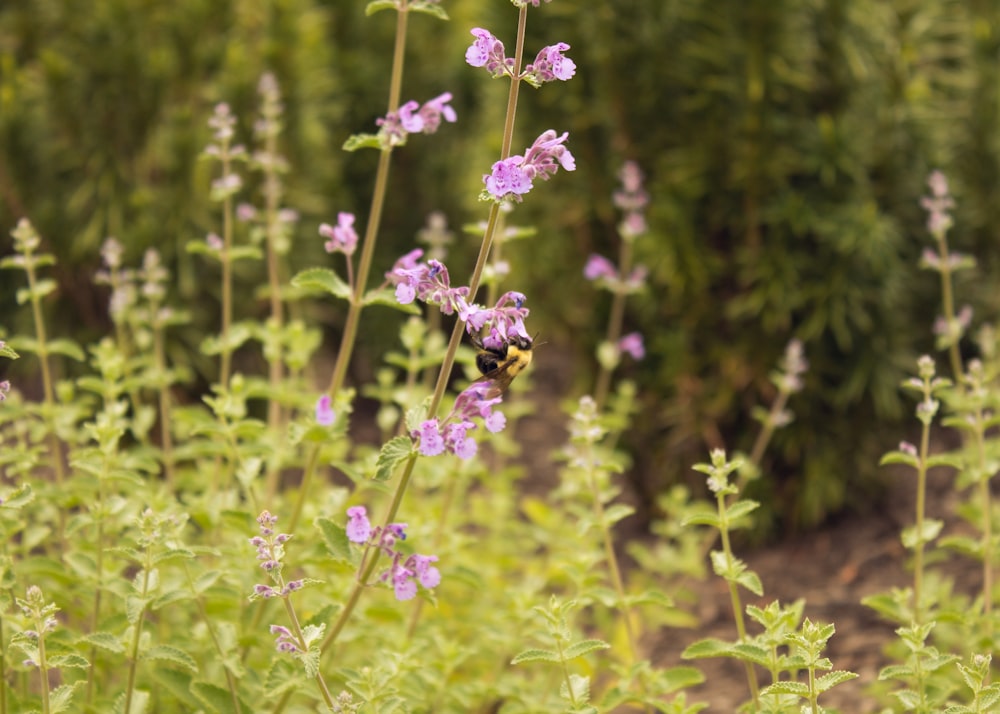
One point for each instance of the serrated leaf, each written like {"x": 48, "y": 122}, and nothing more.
{"x": 579, "y": 649}
{"x": 139, "y": 705}
{"x": 896, "y": 671}
{"x": 832, "y": 679}
{"x": 795, "y": 688}
{"x": 393, "y": 452}
{"x": 378, "y": 5}
{"x": 751, "y": 653}
{"x": 19, "y": 497}
{"x": 702, "y": 519}
{"x": 362, "y": 141}
{"x": 61, "y": 698}
{"x": 709, "y": 647}
{"x": 676, "y": 678}
{"x": 69, "y": 660}
{"x": 750, "y": 580}
{"x": 617, "y": 512}
{"x": 67, "y": 348}
{"x": 105, "y": 640}
{"x": 214, "y": 697}
{"x": 431, "y": 8}
{"x": 335, "y": 538}
{"x": 535, "y": 655}
{"x": 322, "y": 280}
{"x": 173, "y": 655}
{"x": 952, "y": 460}
{"x": 741, "y": 508}
{"x": 898, "y": 457}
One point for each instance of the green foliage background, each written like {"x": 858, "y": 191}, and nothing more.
{"x": 786, "y": 144}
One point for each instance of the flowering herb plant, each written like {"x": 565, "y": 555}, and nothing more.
{"x": 130, "y": 516}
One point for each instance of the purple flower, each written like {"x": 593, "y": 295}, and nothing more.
{"x": 402, "y": 583}
{"x": 512, "y": 177}
{"x": 487, "y": 51}
{"x": 457, "y": 442}
{"x": 432, "y": 111}
{"x": 4, "y": 389}
{"x": 359, "y": 529}
{"x": 938, "y": 205}
{"x": 632, "y": 344}
{"x": 324, "y": 412}
{"x": 412, "y": 118}
{"x": 427, "y": 574}
{"x": 431, "y": 442}
{"x": 285, "y": 640}
{"x": 507, "y": 179}
{"x": 550, "y": 64}
{"x": 342, "y": 237}
{"x": 428, "y": 282}
{"x": 599, "y": 267}
{"x": 631, "y": 199}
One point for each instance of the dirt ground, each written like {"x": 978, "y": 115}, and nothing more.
{"x": 865, "y": 556}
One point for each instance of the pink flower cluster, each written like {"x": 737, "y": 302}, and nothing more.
{"x": 405, "y": 572}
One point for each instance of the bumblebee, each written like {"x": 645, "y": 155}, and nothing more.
{"x": 499, "y": 365}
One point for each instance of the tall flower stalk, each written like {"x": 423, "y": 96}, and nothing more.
{"x": 511, "y": 177}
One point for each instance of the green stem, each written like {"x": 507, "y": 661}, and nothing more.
{"x": 297, "y": 631}
{"x": 456, "y": 337}
{"x": 365, "y": 262}
{"x": 948, "y": 306}
{"x": 167, "y": 445}
{"x": 225, "y": 358}
{"x": 615, "y": 322}
{"x": 918, "y": 553}
{"x": 133, "y": 664}
{"x": 734, "y": 597}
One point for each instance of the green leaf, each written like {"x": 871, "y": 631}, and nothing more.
{"x": 106, "y": 641}
{"x": 173, "y": 655}
{"x": 61, "y": 698}
{"x": 896, "y": 671}
{"x": 616, "y": 512}
{"x": 19, "y": 497}
{"x": 362, "y": 141}
{"x": 709, "y": 647}
{"x": 69, "y": 660}
{"x": 749, "y": 580}
{"x": 579, "y": 649}
{"x": 741, "y": 508}
{"x": 797, "y": 688}
{"x": 751, "y": 653}
{"x": 378, "y": 5}
{"x": 428, "y": 8}
{"x": 832, "y": 679}
{"x": 394, "y": 451}
{"x": 322, "y": 280}
{"x": 214, "y": 697}
{"x": 898, "y": 457}
{"x": 67, "y": 348}
{"x": 535, "y": 655}
{"x": 702, "y": 519}
{"x": 335, "y": 538}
